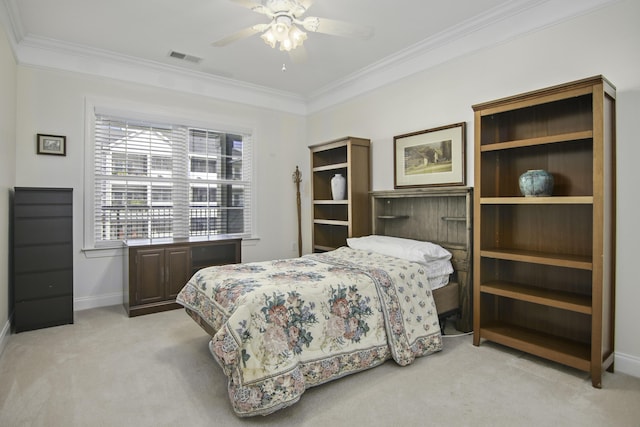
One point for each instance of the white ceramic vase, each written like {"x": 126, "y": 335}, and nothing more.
{"x": 338, "y": 186}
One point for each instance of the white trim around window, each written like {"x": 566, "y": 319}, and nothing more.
{"x": 152, "y": 114}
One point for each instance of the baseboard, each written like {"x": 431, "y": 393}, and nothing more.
{"x": 4, "y": 335}
{"x": 627, "y": 364}
{"x": 85, "y": 303}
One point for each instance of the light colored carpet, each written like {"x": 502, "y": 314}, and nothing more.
{"x": 156, "y": 370}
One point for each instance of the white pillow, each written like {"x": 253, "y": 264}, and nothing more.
{"x": 409, "y": 249}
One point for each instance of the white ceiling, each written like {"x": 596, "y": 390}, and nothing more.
{"x": 141, "y": 33}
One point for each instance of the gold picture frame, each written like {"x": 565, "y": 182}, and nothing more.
{"x": 432, "y": 157}
{"x": 52, "y": 144}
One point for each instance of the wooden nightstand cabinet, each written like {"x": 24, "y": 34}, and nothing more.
{"x": 160, "y": 273}
{"x": 157, "y": 272}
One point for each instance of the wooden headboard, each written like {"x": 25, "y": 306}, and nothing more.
{"x": 441, "y": 215}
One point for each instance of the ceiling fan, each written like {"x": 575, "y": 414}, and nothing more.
{"x": 285, "y": 22}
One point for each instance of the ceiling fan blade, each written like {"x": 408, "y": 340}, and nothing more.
{"x": 337, "y": 28}
{"x": 305, "y": 3}
{"x": 242, "y": 34}
{"x": 300, "y": 7}
{"x": 254, "y": 6}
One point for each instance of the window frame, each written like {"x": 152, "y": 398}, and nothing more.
{"x": 152, "y": 114}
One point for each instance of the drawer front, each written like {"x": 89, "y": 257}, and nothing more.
{"x": 43, "y": 196}
{"x": 30, "y": 286}
{"x": 31, "y": 231}
{"x": 42, "y": 313}
{"x": 42, "y": 211}
{"x": 43, "y": 258}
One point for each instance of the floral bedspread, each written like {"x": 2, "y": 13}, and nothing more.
{"x": 280, "y": 327}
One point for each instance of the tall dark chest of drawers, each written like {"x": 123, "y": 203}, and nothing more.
{"x": 42, "y": 257}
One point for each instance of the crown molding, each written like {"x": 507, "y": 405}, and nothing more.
{"x": 53, "y": 54}
{"x": 498, "y": 25}
{"x": 396, "y": 63}
{"x": 495, "y": 26}
{"x": 46, "y": 53}
{"x": 11, "y": 20}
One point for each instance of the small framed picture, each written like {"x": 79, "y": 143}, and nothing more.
{"x": 52, "y": 144}
{"x": 432, "y": 157}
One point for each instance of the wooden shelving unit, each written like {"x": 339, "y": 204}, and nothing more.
{"x": 336, "y": 220}
{"x": 441, "y": 215}
{"x": 544, "y": 267}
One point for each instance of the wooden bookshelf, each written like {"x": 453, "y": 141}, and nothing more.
{"x": 544, "y": 266}
{"x": 336, "y": 220}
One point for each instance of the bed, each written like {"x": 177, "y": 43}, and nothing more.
{"x": 443, "y": 215}
{"x": 280, "y": 327}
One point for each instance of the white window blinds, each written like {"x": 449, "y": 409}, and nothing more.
{"x": 159, "y": 181}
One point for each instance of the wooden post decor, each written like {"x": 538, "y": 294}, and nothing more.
{"x": 297, "y": 177}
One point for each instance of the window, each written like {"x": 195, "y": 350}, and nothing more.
{"x": 156, "y": 181}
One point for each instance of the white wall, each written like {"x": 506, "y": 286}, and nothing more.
{"x": 54, "y": 102}
{"x": 7, "y": 171}
{"x": 602, "y": 42}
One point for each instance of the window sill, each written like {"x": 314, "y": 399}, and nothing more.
{"x": 118, "y": 251}
{"x": 105, "y": 252}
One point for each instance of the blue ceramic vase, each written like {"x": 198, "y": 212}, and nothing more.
{"x": 536, "y": 183}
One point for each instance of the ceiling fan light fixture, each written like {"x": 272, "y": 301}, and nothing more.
{"x": 287, "y": 26}
{"x": 280, "y": 27}
{"x": 297, "y": 35}
{"x": 282, "y": 30}
{"x": 286, "y": 45}
{"x": 269, "y": 38}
